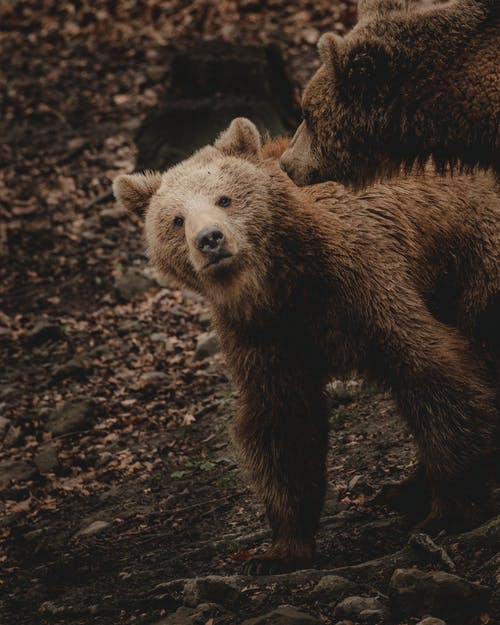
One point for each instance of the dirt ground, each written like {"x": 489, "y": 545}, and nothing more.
{"x": 100, "y": 518}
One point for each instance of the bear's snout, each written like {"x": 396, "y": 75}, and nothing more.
{"x": 210, "y": 242}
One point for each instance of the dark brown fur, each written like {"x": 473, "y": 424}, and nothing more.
{"x": 404, "y": 85}
{"x": 400, "y": 282}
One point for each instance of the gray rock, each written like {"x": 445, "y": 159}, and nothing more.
{"x": 211, "y": 589}
{"x": 13, "y": 437}
{"x": 73, "y": 416}
{"x": 333, "y": 588}
{"x": 45, "y": 331}
{"x": 94, "y": 528}
{"x": 111, "y": 216}
{"x": 415, "y": 593}
{"x": 207, "y": 345}
{"x": 15, "y": 471}
{"x": 363, "y": 609}
{"x": 73, "y": 368}
{"x": 46, "y": 460}
{"x": 430, "y": 620}
{"x": 132, "y": 282}
{"x": 285, "y": 615}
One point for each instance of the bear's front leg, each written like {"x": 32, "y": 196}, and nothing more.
{"x": 283, "y": 435}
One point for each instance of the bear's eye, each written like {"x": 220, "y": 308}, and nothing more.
{"x": 178, "y": 221}
{"x": 224, "y": 201}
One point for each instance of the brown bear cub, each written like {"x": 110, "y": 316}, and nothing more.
{"x": 406, "y": 84}
{"x": 401, "y": 283}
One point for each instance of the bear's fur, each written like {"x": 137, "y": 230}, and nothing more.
{"x": 407, "y": 83}
{"x": 400, "y": 282}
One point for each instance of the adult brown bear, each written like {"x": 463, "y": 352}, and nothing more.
{"x": 405, "y": 85}
{"x": 306, "y": 283}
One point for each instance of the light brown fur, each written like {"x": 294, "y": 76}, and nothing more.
{"x": 400, "y": 282}
{"x": 405, "y": 85}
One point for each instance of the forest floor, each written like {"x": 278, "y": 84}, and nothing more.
{"x": 117, "y": 476}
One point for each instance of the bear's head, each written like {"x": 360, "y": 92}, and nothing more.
{"x": 207, "y": 218}
{"x": 346, "y": 107}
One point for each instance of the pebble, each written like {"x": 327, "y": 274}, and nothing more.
{"x": 430, "y": 620}
{"x": 15, "y": 471}
{"x": 151, "y": 379}
{"x": 45, "y": 331}
{"x": 285, "y": 615}
{"x": 415, "y": 593}
{"x": 111, "y": 216}
{"x": 207, "y": 345}
{"x": 73, "y": 368}
{"x": 333, "y": 588}
{"x": 13, "y": 437}
{"x": 132, "y": 282}
{"x": 73, "y": 416}
{"x": 94, "y": 528}
{"x": 364, "y": 609}
{"x": 211, "y": 589}
{"x": 46, "y": 459}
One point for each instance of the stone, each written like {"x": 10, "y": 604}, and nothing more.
{"x": 343, "y": 391}
{"x": 415, "y": 593}
{"x": 94, "y": 528}
{"x": 13, "y": 437}
{"x": 111, "y": 216}
{"x": 205, "y": 319}
{"x": 73, "y": 368}
{"x": 430, "y": 620}
{"x": 210, "y": 589}
{"x": 363, "y": 609}
{"x": 73, "y": 416}
{"x": 132, "y": 282}
{"x": 152, "y": 379}
{"x": 45, "y": 331}
{"x": 207, "y": 345}
{"x": 285, "y": 615}
{"x": 333, "y": 588}
{"x": 15, "y": 471}
{"x": 46, "y": 459}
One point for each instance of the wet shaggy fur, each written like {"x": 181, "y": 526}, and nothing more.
{"x": 407, "y": 83}
{"x": 400, "y": 282}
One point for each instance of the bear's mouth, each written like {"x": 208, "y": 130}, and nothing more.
{"x": 218, "y": 260}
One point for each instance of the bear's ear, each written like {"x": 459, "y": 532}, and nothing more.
{"x": 134, "y": 191}
{"x": 241, "y": 139}
{"x": 329, "y": 47}
{"x": 367, "y": 70}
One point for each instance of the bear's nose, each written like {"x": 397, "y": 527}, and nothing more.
{"x": 210, "y": 241}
